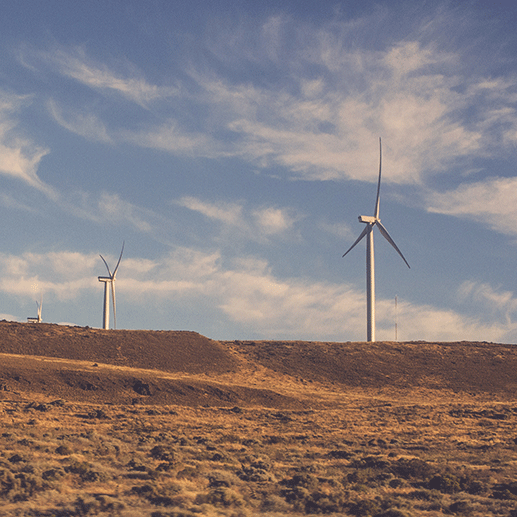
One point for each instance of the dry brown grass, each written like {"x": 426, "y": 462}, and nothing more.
{"x": 275, "y": 435}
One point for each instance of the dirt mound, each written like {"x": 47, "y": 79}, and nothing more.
{"x": 171, "y": 351}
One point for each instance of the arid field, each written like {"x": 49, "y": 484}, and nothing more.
{"x": 163, "y": 424}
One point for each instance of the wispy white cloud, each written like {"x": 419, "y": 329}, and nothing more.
{"x": 84, "y": 124}
{"x": 421, "y": 322}
{"x": 10, "y": 202}
{"x": 272, "y": 221}
{"x": 492, "y": 202}
{"x": 111, "y": 209}
{"x": 19, "y": 156}
{"x": 172, "y": 138}
{"x": 495, "y": 304}
{"x": 341, "y": 230}
{"x": 256, "y": 223}
{"x": 75, "y": 63}
{"x": 228, "y": 213}
{"x": 63, "y": 274}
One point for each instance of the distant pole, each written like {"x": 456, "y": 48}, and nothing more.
{"x": 396, "y": 319}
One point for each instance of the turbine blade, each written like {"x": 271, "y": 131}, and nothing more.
{"x": 114, "y": 304}
{"x": 377, "y": 201}
{"x": 119, "y": 259}
{"x": 386, "y": 235}
{"x": 107, "y": 267}
{"x": 363, "y": 233}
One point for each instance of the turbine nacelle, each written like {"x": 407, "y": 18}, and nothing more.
{"x": 369, "y": 219}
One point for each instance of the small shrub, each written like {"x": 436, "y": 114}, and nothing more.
{"x": 163, "y": 453}
{"x": 159, "y": 495}
{"x": 447, "y": 483}
{"x": 64, "y": 450}
{"x": 188, "y": 473}
{"x": 365, "y": 508}
{"x": 505, "y": 491}
{"x": 8, "y": 482}
{"x": 274, "y": 503}
{"x": 85, "y": 471}
{"x": 257, "y": 471}
{"x": 221, "y": 479}
{"x": 325, "y": 502}
{"x": 302, "y": 480}
{"x": 175, "y": 513}
{"x": 98, "y": 414}
{"x": 295, "y": 495}
{"x": 222, "y": 497}
{"x": 392, "y": 512}
{"x": 396, "y": 483}
{"x": 461, "y": 507}
{"x": 52, "y": 474}
{"x": 340, "y": 454}
{"x": 413, "y": 468}
{"x": 370, "y": 462}
{"x": 85, "y": 506}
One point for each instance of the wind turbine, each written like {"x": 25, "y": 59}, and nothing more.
{"x": 38, "y": 318}
{"x": 110, "y": 279}
{"x": 370, "y": 222}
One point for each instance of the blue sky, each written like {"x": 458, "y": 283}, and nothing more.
{"x": 232, "y": 145}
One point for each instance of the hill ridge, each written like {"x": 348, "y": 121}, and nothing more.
{"x": 240, "y": 371}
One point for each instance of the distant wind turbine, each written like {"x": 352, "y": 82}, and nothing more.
{"x": 370, "y": 222}
{"x": 38, "y": 318}
{"x": 110, "y": 279}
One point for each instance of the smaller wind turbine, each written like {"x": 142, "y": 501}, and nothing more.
{"x": 370, "y": 222}
{"x": 110, "y": 279}
{"x": 38, "y": 318}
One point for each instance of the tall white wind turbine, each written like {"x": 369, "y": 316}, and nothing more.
{"x": 110, "y": 279}
{"x": 38, "y": 318}
{"x": 370, "y": 222}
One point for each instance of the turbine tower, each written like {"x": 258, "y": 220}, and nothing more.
{"x": 370, "y": 222}
{"x": 110, "y": 279}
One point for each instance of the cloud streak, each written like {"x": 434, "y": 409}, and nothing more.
{"x": 253, "y": 224}
{"x": 19, "y": 156}
{"x": 492, "y": 202}
{"x": 76, "y": 65}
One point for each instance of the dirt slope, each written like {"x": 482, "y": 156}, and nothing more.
{"x": 463, "y": 366}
